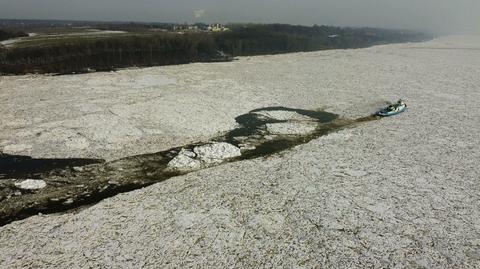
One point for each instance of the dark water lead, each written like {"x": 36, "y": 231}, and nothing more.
{"x": 72, "y": 183}
{"x": 23, "y": 167}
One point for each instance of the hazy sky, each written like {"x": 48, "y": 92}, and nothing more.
{"x": 435, "y": 15}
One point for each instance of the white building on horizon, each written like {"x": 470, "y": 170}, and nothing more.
{"x": 217, "y": 27}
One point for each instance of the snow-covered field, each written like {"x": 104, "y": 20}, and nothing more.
{"x": 34, "y": 38}
{"x": 401, "y": 192}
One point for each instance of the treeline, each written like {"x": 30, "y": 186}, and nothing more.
{"x": 83, "y": 55}
{"x": 152, "y": 49}
{"x": 246, "y": 40}
{"x": 134, "y": 26}
{"x": 4, "y": 35}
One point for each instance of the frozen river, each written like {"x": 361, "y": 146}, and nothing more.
{"x": 399, "y": 192}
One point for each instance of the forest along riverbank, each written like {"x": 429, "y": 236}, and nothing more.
{"x": 67, "y": 54}
{"x": 30, "y": 186}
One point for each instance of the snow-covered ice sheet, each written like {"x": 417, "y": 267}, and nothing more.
{"x": 400, "y": 192}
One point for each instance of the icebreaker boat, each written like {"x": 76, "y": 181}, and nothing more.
{"x": 393, "y": 109}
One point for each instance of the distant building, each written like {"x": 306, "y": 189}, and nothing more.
{"x": 217, "y": 27}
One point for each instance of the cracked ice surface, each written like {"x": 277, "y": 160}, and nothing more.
{"x": 400, "y": 192}
{"x": 204, "y": 156}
